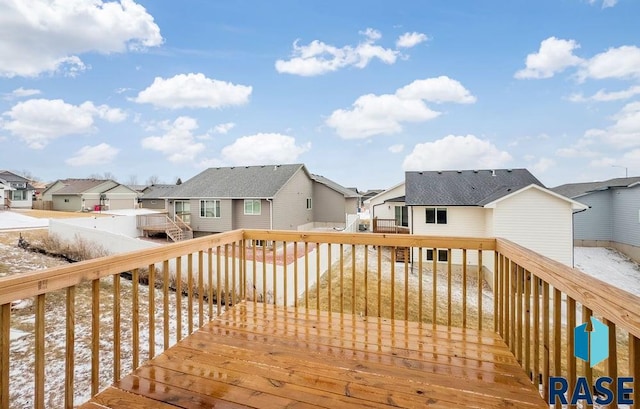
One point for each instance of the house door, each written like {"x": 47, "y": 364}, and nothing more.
{"x": 183, "y": 210}
{"x": 402, "y": 216}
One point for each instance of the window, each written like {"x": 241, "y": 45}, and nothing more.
{"x": 402, "y": 216}
{"x": 183, "y": 210}
{"x": 18, "y": 195}
{"x": 252, "y": 207}
{"x": 308, "y": 203}
{"x": 436, "y": 215}
{"x": 66, "y": 200}
{"x": 210, "y": 208}
{"x": 443, "y": 255}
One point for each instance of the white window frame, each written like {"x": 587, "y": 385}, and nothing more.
{"x": 437, "y": 252}
{"x": 309, "y": 203}
{"x": 23, "y": 195}
{"x": 252, "y": 205}
{"x": 436, "y": 210}
{"x": 216, "y": 209}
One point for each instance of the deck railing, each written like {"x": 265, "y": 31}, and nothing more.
{"x": 387, "y": 226}
{"x": 105, "y": 325}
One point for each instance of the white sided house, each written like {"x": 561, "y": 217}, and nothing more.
{"x": 16, "y": 192}
{"x": 505, "y": 203}
{"x": 389, "y": 204}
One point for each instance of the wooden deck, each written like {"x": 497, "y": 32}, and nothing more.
{"x": 261, "y": 356}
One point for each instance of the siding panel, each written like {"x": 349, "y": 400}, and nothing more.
{"x": 290, "y": 203}
{"x": 328, "y": 205}
{"x": 626, "y": 215}
{"x": 212, "y": 225}
{"x": 246, "y": 221}
{"x": 595, "y": 223}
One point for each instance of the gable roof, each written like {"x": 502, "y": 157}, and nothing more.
{"x": 237, "y": 182}
{"x": 348, "y": 193}
{"x": 464, "y": 187}
{"x": 78, "y": 186}
{"x": 157, "y": 191}
{"x": 578, "y": 189}
{"x": 9, "y": 177}
{"x": 382, "y": 192}
{"x": 574, "y": 205}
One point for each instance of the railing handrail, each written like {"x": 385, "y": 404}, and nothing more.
{"x": 180, "y": 223}
{"x": 613, "y": 303}
{"x": 34, "y": 283}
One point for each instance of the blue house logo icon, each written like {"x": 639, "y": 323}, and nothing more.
{"x": 591, "y": 346}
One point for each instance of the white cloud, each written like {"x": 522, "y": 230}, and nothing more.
{"x": 178, "y": 142}
{"x": 456, "y": 152}
{"x": 602, "y": 162}
{"x": 543, "y": 165}
{"x": 93, "y": 155}
{"x": 223, "y": 128}
{"x": 554, "y": 56}
{"x": 263, "y": 148}
{"x": 46, "y": 36}
{"x": 622, "y": 62}
{"x": 604, "y": 96}
{"x": 605, "y": 3}
{"x": 408, "y": 40}
{"x": 21, "y": 93}
{"x": 193, "y": 91}
{"x": 440, "y": 89}
{"x": 39, "y": 121}
{"x": 384, "y": 114}
{"x": 396, "y": 148}
{"x": 317, "y": 57}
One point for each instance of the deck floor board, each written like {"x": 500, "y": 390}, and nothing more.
{"x": 263, "y": 356}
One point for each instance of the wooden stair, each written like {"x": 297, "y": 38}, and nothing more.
{"x": 178, "y": 232}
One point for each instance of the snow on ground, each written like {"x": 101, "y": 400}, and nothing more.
{"x": 13, "y": 220}
{"x": 610, "y": 266}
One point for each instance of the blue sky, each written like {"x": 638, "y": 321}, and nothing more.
{"x": 359, "y": 91}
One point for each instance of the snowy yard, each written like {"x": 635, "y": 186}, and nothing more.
{"x": 610, "y": 266}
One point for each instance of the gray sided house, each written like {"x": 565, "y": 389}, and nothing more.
{"x": 335, "y": 200}
{"x": 75, "y": 195}
{"x": 15, "y": 191}
{"x": 613, "y": 217}
{"x": 155, "y": 197}
{"x": 279, "y": 197}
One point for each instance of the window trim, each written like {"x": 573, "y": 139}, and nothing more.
{"x": 437, "y": 212}
{"x": 253, "y": 202}
{"x": 203, "y": 211}
{"x": 442, "y": 254}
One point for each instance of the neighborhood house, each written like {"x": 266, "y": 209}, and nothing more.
{"x": 16, "y": 192}
{"x": 75, "y": 195}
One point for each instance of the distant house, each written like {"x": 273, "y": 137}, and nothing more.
{"x": 155, "y": 197}
{"x": 15, "y": 191}
{"x": 507, "y": 203}
{"x": 283, "y": 197}
{"x": 613, "y": 217}
{"x": 75, "y": 195}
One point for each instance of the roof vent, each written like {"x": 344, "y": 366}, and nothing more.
{"x": 493, "y": 172}
{"x": 509, "y": 170}
{"x": 459, "y": 171}
{"x": 475, "y": 171}
{"x": 439, "y": 172}
{"x": 420, "y": 173}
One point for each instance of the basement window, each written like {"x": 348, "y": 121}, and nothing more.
{"x": 443, "y": 255}
{"x": 435, "y": 215}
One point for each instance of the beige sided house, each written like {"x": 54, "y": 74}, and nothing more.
{"x": 280, "y": 197}
{"x": 155, "y": 197}
{"x": 75, "y": 195}
{"x": 506, "y": 203}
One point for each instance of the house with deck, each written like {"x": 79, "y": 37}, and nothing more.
{"x": 283, "y": 197}
{"x": 613, "y": 217}
{"x": 16, "y": 192}
{"x": 75, "y": 195}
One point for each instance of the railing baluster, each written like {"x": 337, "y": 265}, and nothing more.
{"x": 557, "y": 333}
{"x": 306, "y": 274}
{"x": 264, "y": 271}
{"x": 135, "y": 320}
{"x": 116, "y": 327}
{"x": 70, "y": 334}
{"x": 393, "y": 282}
{"x": 519, "y": 314}
{"x": 612, "y": 361}
{"x": 190, "y": 292}
{"x": 497, "y": 295}
{"x": 329, "y": 278}
{"x": 406, "y": 282}
{"x": 379, "y": 295}
{"x": 95, "y": 336}
{"x": 536, "y": 330}
{"x": 420, "y": 285}
{"x": 434, "y": 289}
{"x": 571, "y": 360}
{"x": 513, "y": 288}
{"x": 5, "y": 337}
{"x": 464, "y": 288}
{"x": 588, "y": 371}
{"x": 527, "y": 322}
{"x": 634, "y": 366}
{"x": 480, "y": 282}
{"x": 449, "y": 294}
{"x": 219, "y": 279}
{"x": 341, "y": 279}
{"x": 284, "y": 270}
{"x": 201, "y": 288}
{"x": 295, "y": 274}
{"x": 39, "y": 353}
{"x": 210, "y": 281}
{"x": 366, "y": 280}
{"x": 275, "y": 273}
{"x": 254, "y": 264}
{"x": 233, "y": 274}
{"x": 546, "y": 352}
{"x": 152, "y": 311}
{"x": 165, "y": 304}
{"x": 178, "y": 298}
